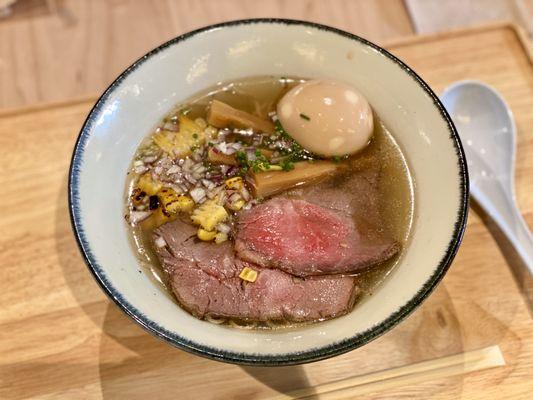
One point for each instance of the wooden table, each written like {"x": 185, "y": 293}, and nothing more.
{"x": 60, "y": 337}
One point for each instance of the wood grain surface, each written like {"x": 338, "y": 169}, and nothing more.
{"x": 77, "y": 47}
{"x": 60, "y": 337}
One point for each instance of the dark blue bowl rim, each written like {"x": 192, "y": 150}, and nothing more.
{"x": 260, "y": 359}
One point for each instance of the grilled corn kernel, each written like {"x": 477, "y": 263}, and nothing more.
{"x": 248, "y": 274}
{"x": 206, "y": 236}
{"x": 182, "y": 203}
{"x": 174, "y": 203}
{"x": 209, "y": 215}
{"x": 148, "y": 185}
{"x": 237, "y": 205}
{"x": 235, "y": 183}
{"x": 220, "y": 237}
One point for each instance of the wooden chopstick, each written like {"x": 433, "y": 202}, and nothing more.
{"x": 462, "y": 363}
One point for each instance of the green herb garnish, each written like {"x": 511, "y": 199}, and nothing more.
{"x": 195, "y": 136}
{"x": 286, "y": 165}
{"x": 241, "y": 158}
{"x": 306, "y": 117}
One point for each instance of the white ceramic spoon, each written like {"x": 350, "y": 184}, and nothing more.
{"x": 488, "y": 132}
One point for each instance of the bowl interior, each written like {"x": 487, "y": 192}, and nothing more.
{"x": 132, "y": 106}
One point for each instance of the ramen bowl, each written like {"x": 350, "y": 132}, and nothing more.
{"x": 130, "y": 108}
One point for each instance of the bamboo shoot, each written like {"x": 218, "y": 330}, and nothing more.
{"x": 221, "y": 115}
{"x": 268, "y": 183}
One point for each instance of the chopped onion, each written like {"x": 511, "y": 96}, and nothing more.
{"x": 174, "y": 169}
{"x": 137, "y": 216}
{"x": 224, "y": 228}
{"x": 197, "y": 194}
{"x": 234, "y": 197}
{"x": 140, "y": 169}
{"x": 149, "y": 159}
{"x": 188, "y": 163}
{"x": 222, "y": 197}
{"x": 190, "y": 178}
{"x": 177, "y": 189}
{"x": 245, "y": 193}
{"x": 198, "y": 168}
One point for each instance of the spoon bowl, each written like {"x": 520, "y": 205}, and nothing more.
{"x": 488, "y": 132}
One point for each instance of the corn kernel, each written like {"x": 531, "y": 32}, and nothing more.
{"x": 235, "y": 183}
{"x": 148, "y": 185}
{"x": 181, "y": 203}
{"x": 206, "y": 236}
{"x": 237, "y": 205}
{"x": 174, "y": 203}
{"x": 209, "y": 215}
{"x": 248, "y": 274}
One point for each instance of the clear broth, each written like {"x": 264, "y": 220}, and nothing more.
{"x": 259, "y": 96}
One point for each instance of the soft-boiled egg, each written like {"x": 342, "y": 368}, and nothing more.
{"x": 326, "y": 117}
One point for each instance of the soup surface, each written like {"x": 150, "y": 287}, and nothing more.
{"x": 242, "y": 225}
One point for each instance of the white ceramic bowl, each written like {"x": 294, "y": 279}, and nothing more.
{"x": 130, "y": 108}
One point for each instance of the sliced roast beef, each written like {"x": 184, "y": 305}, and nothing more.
{"x": 304, "y": 239}
{"x": 204, "y": 278}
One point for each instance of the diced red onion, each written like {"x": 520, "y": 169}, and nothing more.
{"x": 222, "y": 147}
{"x": 149, "y": 159}
{"x": 197, "y": 194}
{"x": 224, "y": 228}
{"x": 232, "y": 171}
{"x": 234, "y": 197}
{"x": 198, "y": 168}
{"x": 137, "y": 216}
{"x": 187, "y": 164}
{"x": 245, "y": 194}
{"x": 197, "y": 156}
{"x": 173, "y": 170}
{"x": 190, "y": 178}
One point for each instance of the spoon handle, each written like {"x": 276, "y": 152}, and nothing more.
{"x": 505, "y": 212}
